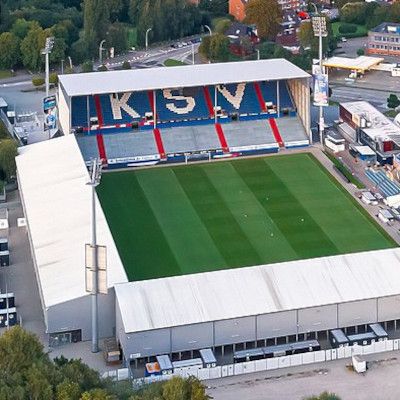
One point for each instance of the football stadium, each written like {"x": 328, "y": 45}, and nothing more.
{"x": 206, "y": 248}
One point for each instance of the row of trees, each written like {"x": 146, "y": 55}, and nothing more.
{"x": 369, "y": 14}
{"x": 80, "y": 26}
{"x": 27, "y": 372}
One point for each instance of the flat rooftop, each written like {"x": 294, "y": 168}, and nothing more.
{"x": 135, "y": 80}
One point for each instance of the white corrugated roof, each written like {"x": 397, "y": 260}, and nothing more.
{"x": 52, "y": 177}
{"x": 359, "y": 63}
{"x": 183, "y": 76}
{"x": 240, "y": 292}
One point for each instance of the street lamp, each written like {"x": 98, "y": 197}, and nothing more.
{"x": 95, "y": 176}
{"x": 147, "y": 37}
{"x": 46, "y": 51}
{"x": 193, "y": 53}
{"x": 320, "y": 30}
{"x": 208, "y": 28}
{"x": 101, "y": 51}
{"x": 258, "y": 54}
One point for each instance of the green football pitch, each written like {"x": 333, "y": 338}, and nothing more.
{"x": 186, "y": 219}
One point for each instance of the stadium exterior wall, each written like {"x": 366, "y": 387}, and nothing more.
{"x": 64, "y": 111}
{"x": 253, "y": 328}
{"x": 75, "y": 315}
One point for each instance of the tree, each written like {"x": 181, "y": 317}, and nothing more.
{"x": 222, "y": 25}
{"x": 117, "y": 37}
{"x": 9, "y": 50}
{"x": 53, "y": 78}
{"x": 393, "y": 101}
{"x": 68, "y": 390}
{"x": 306, "y": 34}
{"x": 21, "y": 27}
{"x": 87, "y": 66}
{"x": 126, "y": 65}
{"x": 354, "y": 13}
{"x": 266, "y": 15}
{"x": 360, "y": 52}
{"x": 204, "y": 48}
{"x": 174, "y": 389}
{"x": 31, "y": 47}
{"x": 8, "y": 152}
{"x": 102, "y": 68}
{"x": 96, "y": 16}
{"x": 219, "y": 47}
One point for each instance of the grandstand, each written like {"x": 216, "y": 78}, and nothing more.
{"x": 212, "y": 110}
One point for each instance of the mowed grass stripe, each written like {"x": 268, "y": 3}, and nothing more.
{"x": 188, "y": 238}
{"x": 329, "y": 205}
{"x": 140, "y": 241}
{"x": 264, "y": 235}
{"x": 227, "y": 234}
{"x": 302, "y": 232}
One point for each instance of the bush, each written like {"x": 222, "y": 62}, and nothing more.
{"x": 87, "y": 66}
{"x": 126, "y": 65}
{"x": 347, "y": 28}
{"x": 68, "y": 70}
{"x": 53, "y": 78}
{"x": 38, "y": 81}
{"x": 393, "y": 101}
{"x": 102, "y": 68}
{"x": 360, "y": 52}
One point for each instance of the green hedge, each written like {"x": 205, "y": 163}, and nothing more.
{"x": 345, "y": 171}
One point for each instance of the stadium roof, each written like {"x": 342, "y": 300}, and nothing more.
{"x": 235, "y": 293}
{"x": 183, "y": 76}
{"x": 53, "y": 177}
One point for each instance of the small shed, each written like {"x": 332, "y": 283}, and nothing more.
{"x": 368, "y": 198}
{"x": 385, "y": 216}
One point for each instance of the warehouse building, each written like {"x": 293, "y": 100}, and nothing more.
{"x": 245, "y": 308}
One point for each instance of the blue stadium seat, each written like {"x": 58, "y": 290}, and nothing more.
{"x": 268, "y": 89}
{"x": 138, "y": 101}
{"x": 79, "y": 111}
{"x": 200, "y": 110}
{"x": 249, "y": 103}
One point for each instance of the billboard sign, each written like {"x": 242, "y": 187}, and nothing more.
{"x": 50, "y": 112}
{"x": 321, "y": 90}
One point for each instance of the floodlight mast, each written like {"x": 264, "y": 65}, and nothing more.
{"x": 95, "y": 176}
{"x": 46, "y": 51}
{"x": 320, "y": 30}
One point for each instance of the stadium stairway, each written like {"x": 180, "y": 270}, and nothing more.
{"x": 383, "y": 183}
{"x": 79, "y": 111}
{"x": 102, "y": 148}
{"x": 99, "y": 112}
{"x": 159, "y": 143}
{"x": 276, "y": 132}
{"x": 221, "y": 137}
{"x": 209, "y": 102}
{"x": 150, "y": 96}
{"x": 260, "y": 97}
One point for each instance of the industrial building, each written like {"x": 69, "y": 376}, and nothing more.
{"x": 384, "y": 39}
{"x": 363, "y": 123}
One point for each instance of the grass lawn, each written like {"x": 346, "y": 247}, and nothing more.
{"x": 173, "y": 63}
{"x": 361, "y": 31}
{"x": 5, "y": 73}
{"x": 391, "y": 113}
{"x": 186, "y": 219}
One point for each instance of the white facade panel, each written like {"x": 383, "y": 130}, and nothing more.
{"x": 235, "y": 331}
{"x": 388, "y": 308}
{"x": 357, "y": 313}
{"x": 276, "y": 324}
{"x": 148, "y": 343}
{"x": 316, "y": 319}
{"x": 191, "y": 337}
{"x": 63, "y": 112}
